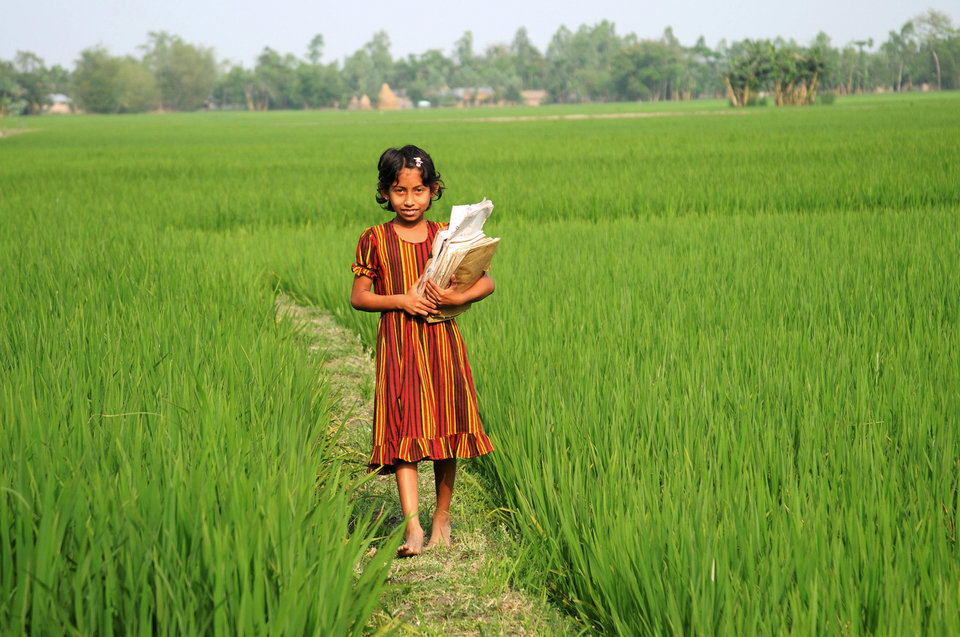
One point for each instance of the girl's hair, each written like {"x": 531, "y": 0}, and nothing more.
{"x": 393, "y": 160}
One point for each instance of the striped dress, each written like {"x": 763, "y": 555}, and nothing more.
{"x": 425, "y": 404}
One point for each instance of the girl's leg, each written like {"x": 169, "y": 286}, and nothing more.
{"x": 407, "y": 485}
{"x": 444, "y": 474}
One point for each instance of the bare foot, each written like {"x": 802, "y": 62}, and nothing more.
{"x": 440, "y": 531}
{"x": 412, "y": 543}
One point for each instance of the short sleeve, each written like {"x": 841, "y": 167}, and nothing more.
{"x": 367, "y": 263}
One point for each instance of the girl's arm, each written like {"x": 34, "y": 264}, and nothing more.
{"x": 363, "y": 298}
{"x": 443, "y": 297}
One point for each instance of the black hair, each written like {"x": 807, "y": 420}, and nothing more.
{"x": 393, "y": 160}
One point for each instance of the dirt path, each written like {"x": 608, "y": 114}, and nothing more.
{"x": 10, "y": 132}
{"x": 577, "y": 116}
{"x": 462, "y": 590}
{"x": 556, "y": 117}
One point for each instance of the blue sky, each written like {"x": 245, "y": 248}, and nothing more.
{"x": 57, "y": 30}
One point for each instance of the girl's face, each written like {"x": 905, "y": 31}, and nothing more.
{"x": 408, "y": 195}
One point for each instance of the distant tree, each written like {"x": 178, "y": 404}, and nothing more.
{"x": 703, "y": 69}
{"x": 424, "y": 76}
{"x": 405, "y": 75}
{"x": 497, "y": 70}
{"x": 593, "y": 63}
{"x": 315, "y": 50}
{"x": 512, "y": 90}
{"x": 830, "y": 57}
{"x": 95, "y": 86}
{"x": 232, "y": 89}
{"x": 58, "y": 79}
{"x": 378, "y": 48}
{"x": 32, "y": 76}
{"x": 748, "y": 72}
{"x": 319, "y": 85}
{"x": 12, "y": 101}
{"x": 528, "y": 61}
{"x": 635, "y": 69}
{"x": 644, "y": 70}
{"x": 592, "y": 49}
{"x": 579, "y": 66}
{"x": 244, "y": 88}
{"x": 847, "y": 70}
{"x": 435, "y": 68}
{"x": 677, "y": 69}
{"x": 560, "y": 66}
{"x": 863, "y": 68}
{"x": 466, "y": 72}
{"x": 136, "y": 87}
{"x": 795, "y": 74}
{"x": 185, "y": 73}
{"x": 900, "y": 48}
{"x": 934, "y": 29}
{"x": 276, "y": 78}
{"x": 106, "y": 84}
{"x": 463, "y": 49}
{"x": 370, "y": 66}
{"x": 359, "y": 74}
{"x": 950, "y": 60}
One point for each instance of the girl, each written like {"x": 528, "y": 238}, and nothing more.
{"x": 425, "y": 404}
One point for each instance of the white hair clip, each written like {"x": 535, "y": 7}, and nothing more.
{"x": 418, "y": 162}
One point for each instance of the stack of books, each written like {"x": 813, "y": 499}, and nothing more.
{"x": 461, "y": 252}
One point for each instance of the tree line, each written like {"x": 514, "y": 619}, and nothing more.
{"x": 591, "y": 64}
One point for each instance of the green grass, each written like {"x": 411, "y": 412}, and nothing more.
{"x": 720, "y": 366}
{"x": 165, "y": 457}
{"x": 755, "y": 431}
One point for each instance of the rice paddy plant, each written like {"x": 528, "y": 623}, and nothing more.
{"x": 719, "y": 367}
{"x": 747, "y": 424}
{"x": 727, "y": 422}
{"x": 167, "y": 464}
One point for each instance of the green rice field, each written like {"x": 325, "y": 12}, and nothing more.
{"x": 721, "y": 366}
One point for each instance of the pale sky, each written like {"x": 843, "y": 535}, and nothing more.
{"x": 57, "y": 30}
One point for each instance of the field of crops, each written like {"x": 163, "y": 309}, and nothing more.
{"x": 721, "y": 367}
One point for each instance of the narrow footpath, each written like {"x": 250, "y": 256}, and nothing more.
{"x": 461, "y": 590}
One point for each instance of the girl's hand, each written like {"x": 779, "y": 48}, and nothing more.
{"x": 416, "y": 305}
{"x": 444, "y": 297}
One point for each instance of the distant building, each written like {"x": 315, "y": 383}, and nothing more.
{"x": 533, "y": 98}
{"x": 477, "y": 96}
{"x": 58, "y": 104}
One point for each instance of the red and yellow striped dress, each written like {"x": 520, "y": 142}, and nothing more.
{"x": 425, "y": 404}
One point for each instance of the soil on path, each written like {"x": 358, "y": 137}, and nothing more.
{"x": 461, "y": 590}
{"x": 10, "y": 132}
